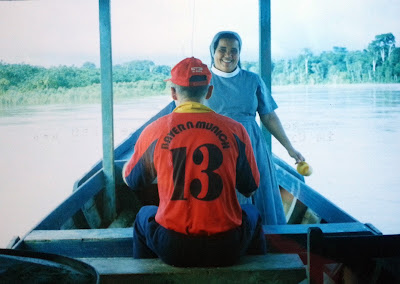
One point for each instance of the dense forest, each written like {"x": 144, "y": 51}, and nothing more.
{"x": 26, "y": 84}
{"x": 378, "y": 63}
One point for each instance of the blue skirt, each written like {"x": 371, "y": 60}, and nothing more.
{"x": 267, "y": 197}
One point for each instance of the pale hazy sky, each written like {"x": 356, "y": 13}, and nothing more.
{"x": 54, "y": 32}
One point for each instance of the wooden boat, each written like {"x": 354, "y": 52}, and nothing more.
{"x": 78, "y": 228}
{"x": 94, "y": 225}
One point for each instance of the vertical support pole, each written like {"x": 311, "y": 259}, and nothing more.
{"x": 107, "y": 109}
{"x": 265, "y": 52}
{"x": 315, "y": 261}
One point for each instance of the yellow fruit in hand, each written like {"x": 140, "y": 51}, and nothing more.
{"x": 304, "y": 169}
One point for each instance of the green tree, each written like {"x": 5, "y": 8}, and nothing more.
{"x": 163, "y": 70}
{"x": 358, "y": 66}
{"x": 380, "y": 49}
{"x": 306, "y": 55}
{"x": 394, "y": 60}
{"x": 89, "y": 65}
{"x": 18, "y": 74}
{"x": 383, "y": 45}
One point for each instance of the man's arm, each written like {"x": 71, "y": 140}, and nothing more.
{"x": 139, "y": 171}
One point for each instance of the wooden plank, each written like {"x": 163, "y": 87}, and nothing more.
{"x": 281, "y": 163}
{"x": 80, "y": 221}
{"x": 12, "y": 242}
{"x": 91, "y": 214}
{"x": 270, "y": 268}
{"x": 264, "y": 54}
{"x": 293, "y": 238}
{"x": 328, "y": 228}
{"x": 109, "y": 200}
{"x": 350, "y": 246}
{"x": 298, "y": 210}
{"x": 81, "y": 243}
{"x": 358, "y": 253}
{"x": 84, "y": 234}
{"x": 117, "y": 242}
{"x": 310, "y": 217}
{"x": 68, "y": 225}
{"x": 73, "y": 203}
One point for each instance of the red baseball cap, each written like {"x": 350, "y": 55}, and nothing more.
{"x": 186, "y": 69}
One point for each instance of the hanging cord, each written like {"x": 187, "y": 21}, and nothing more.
{"x": 193, "y": 23}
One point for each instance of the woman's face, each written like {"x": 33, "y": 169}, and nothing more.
{"x": 226, "y": 56}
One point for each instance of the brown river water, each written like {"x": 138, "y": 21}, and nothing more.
{"x": 350, "y": 135}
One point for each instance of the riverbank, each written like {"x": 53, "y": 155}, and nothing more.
{"x": 125, "y": 91}
{"x": 286, "y": 88}
{"x": 80, "y": 95}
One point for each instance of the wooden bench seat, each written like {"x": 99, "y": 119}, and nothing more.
{"x": 117, "y": 242}
{"x": 110, "y": 252}
{"x": 270, "y": 268}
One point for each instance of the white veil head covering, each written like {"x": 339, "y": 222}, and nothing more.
{"x": 224, "y": 34}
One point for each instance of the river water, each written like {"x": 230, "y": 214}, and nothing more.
{"x": 350, "y": 135}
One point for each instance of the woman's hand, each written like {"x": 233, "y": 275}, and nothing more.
{"x": 296, "y": 155}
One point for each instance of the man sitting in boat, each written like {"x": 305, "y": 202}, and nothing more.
{"x": 199, "y": 157}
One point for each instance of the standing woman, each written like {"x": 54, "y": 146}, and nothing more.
{"x": 239, "y": 94}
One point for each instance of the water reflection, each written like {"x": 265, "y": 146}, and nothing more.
{"x": 350, "y": 136}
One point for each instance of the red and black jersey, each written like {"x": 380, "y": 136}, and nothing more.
{"x": 199, "y": 157}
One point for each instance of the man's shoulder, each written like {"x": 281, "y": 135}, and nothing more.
{"x": 154, "y": 127}
{"x": 160, "y": 121}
